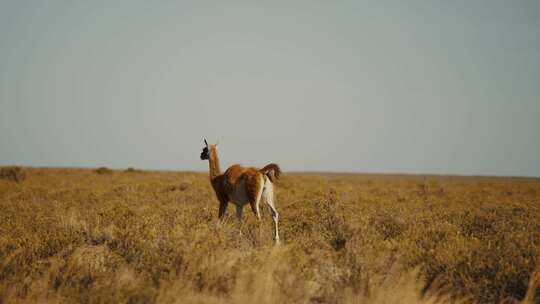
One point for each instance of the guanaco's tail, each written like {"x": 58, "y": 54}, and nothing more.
{"x": 272, "y": 171}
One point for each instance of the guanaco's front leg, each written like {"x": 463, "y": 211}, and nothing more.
{"x": 222, "y": 208}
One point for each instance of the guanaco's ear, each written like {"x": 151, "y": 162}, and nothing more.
{"x": 205, "y": 142}
{"x": 217, "y": 142}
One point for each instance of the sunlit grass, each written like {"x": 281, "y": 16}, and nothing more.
{"x": 69, "y": 235}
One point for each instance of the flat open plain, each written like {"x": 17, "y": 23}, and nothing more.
{"x": 100, "y": 236}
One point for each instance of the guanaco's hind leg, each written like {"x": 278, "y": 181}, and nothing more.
{"x": 239, "y": 209}
{"x": 268, "y": 195}
{"x": 275, "y": 219}
{"x": 256, "y": 210}
{"x": 254, "y": 191}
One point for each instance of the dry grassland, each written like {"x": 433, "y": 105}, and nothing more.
{"x": 73, "y": 235}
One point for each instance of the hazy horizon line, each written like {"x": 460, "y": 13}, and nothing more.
{"x": 314, "y": 172}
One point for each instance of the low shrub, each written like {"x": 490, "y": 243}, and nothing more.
{"x": 13, "y": 173}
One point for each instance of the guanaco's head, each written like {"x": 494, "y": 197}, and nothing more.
{"x": 205, "y": 154}
{"x": 207, "y": 150}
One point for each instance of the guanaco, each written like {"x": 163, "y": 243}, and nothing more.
{"x": 242, "y": 186}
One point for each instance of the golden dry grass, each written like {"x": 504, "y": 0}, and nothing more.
{"x": 73, "y": 235}
{"x": 13, "y": 173}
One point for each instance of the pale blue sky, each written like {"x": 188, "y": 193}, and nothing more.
{"x": 363, "y": 86}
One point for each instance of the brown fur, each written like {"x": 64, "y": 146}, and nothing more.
{"x": 225, "y": 184}
{"x": 272, "y": 171}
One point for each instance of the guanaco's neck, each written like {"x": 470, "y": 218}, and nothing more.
{"x": 215, "y": 171}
